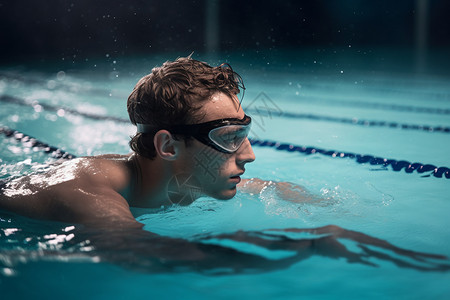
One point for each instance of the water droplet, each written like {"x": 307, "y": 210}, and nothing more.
{"x": 60, "y": 75}
{"x": 37, "y": 108}
{"x": 51, "y": 84}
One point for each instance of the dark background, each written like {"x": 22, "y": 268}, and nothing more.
{"x": 77, "y": 30}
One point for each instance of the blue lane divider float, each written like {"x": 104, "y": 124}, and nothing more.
{"x": 397, "y": 165}
{"x": 393, "y": 107}
{"x": 31, "y": 142}
{"x": 43, "y": 82}
{"x": 263, "y": 111}
{"x": 49, "y": 107}
{"x": 350, "y": 121}
{"x": 367, "y": 105}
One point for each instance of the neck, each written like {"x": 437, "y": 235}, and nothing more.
{"x": 161, "y": 183}
{"x": 152, "y": 181}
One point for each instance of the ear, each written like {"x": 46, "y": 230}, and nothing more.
{"x": 166, "y": 146}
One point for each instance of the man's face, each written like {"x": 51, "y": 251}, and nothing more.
{"x": 217, "y": 173}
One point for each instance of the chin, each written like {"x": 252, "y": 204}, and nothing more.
{"x": 226, "y": 194}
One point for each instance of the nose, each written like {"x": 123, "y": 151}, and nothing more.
{"x": 245, "y": 153}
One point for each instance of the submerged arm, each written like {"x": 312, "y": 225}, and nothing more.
{"x": 214, "y": 254}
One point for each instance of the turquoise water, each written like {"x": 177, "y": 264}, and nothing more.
{"x": 410, "y": 211}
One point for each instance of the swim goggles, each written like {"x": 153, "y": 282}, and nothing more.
{"x": 224, "y": 135}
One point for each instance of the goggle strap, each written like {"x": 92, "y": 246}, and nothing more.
{"x": 144, "y": 128}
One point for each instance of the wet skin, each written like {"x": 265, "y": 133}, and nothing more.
{"x": 99, "y": 190}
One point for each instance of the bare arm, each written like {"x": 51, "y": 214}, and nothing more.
{"x": 285, "y": 190}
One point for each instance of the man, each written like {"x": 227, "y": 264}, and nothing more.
{"x": 191, "y": 141}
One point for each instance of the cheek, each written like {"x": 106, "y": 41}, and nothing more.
{"x": 226, "y": 166}
{"x": 209, "y": 163}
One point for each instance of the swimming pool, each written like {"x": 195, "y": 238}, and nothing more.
{"x": 327, "y": 129}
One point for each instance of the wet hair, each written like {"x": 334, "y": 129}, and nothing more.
{"x": 172, "y": 94}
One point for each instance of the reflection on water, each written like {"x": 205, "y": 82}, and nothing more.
{"x": 211, "y": 237}
{"x": 25, "y": 241}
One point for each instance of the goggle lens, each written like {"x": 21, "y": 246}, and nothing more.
{"x": 229, "y": 137}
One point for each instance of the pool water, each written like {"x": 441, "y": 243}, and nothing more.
{"x": 334, "y": 108}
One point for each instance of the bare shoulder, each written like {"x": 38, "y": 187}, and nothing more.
{"x": 107, "y": 170}
{"x": 110, "y": 170}
{"x": 73, "y": 191}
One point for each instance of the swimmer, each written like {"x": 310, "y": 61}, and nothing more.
{"x": 191, "y": 141}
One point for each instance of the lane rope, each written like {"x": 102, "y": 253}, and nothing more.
{"x": 397, "y": 165}
{"x": 369, "y": 105}
{"x": 31, "y": 142}
{"x": 49, "y": 107}
{"x": 350, "y": 121}
{"x": 393, "y": 107}
{"x": 263, "y": 112}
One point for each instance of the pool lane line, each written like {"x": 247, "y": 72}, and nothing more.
{"x": 397, "y": 165}
{"x": 384, "y": 106}
{"x": 370, "y": 105}
{"x": 31, "y": 142}
{"x": 49, "y": 107}
{"x": 58, "y": 85}
{"x": 263, "y": 112}
{"x": 350, "y": 121}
